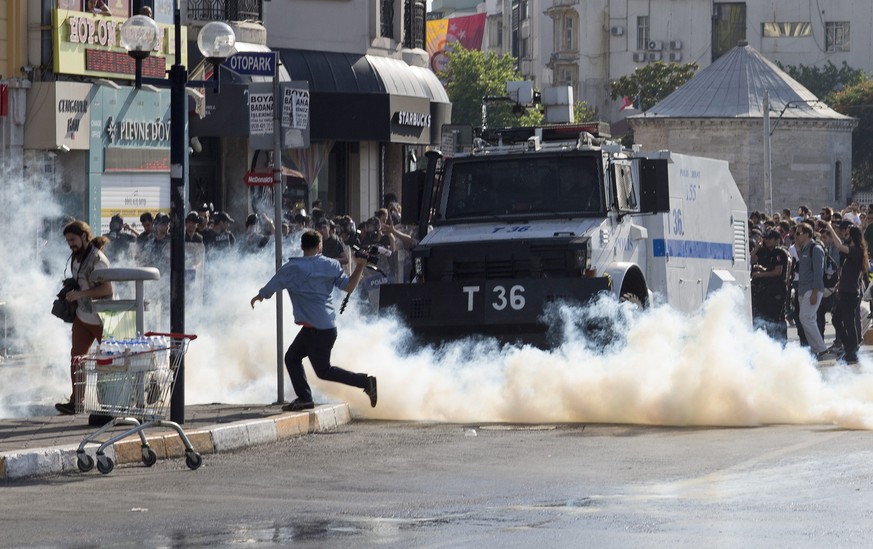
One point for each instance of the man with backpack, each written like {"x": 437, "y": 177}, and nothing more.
{"x": 771, "y": 279}
{"x": 810, "y": 288}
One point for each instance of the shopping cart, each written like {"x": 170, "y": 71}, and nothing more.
{"x": 133, "y": 385}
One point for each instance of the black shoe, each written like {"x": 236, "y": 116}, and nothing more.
{"x": 66, "y": 408}
{"x": 296, "y": 405}
{"x": 371, "y": 390}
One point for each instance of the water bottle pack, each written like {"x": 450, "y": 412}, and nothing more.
{"x": 139, "y": 353}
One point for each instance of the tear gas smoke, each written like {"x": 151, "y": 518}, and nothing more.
{"x": 661, "y": 368}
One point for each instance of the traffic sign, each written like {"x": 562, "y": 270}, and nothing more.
{"x": 253, "y": 63}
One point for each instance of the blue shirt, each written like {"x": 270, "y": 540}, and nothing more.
{"x": 310, "y": 282}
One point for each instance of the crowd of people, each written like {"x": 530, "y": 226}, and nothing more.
{"x": 324, "y": 251}
{"x": 147, "y": 244}
{"x": 808, "y": 269}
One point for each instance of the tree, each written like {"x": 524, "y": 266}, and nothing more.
{"x": 582, "y": 112}
{"x": 824, "y": 81}
{"x": 534, "y": 116}
{"x": 652, "y": 82}
{"x": 857, "y": 101}
{"x": 472, "y": 75}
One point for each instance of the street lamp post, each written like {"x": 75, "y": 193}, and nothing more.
{"x": 768, "y": 134}
{"x": 216, "y": 41}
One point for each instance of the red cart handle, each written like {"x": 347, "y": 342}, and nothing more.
{"x": 172, "y": 335}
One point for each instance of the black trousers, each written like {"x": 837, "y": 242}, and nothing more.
{"x": 849, "y": 311}
{"x": 768, "y": 311}
{"x": 317, "y": 345}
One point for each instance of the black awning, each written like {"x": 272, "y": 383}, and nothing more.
{"x": 353, "y": 97}
{"x": 347, "y": 99}
{"x": 331, "y": 72}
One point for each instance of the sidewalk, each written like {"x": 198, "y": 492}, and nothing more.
{"x": 46, "y": 445}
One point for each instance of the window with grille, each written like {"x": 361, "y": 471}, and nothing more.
{"x": 567, "y": 33}
{"x": 642, "y": 32}
{"x": 785, "y": 30}
{"x": 836, "y": 36}
{"x": 387, "y": 19}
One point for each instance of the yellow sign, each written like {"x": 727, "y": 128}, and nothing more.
{"x": 88, "y": 45}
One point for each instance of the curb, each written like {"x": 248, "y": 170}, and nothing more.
{"x": 36, "y": 462}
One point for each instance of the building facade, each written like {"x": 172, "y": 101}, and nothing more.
{"x": 375, "y": 105}
{"x": 589, "y": 43}
{"x": 804, "y": 158}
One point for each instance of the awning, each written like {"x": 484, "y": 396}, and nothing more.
{"x": 355, "y": 97}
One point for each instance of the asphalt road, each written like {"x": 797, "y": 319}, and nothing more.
{"x": 390, "y": 484}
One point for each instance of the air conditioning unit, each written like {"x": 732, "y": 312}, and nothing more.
{"x": 655, "y": 45}
{"x": 639, "y": 56}
{"x": 617, "y": 31}
{"x": 653, "y": 56}
{"x": 675, "y": 44}
{"x": 675, "y": 56}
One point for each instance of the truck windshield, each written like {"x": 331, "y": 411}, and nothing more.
{"x": 534, "y": 185}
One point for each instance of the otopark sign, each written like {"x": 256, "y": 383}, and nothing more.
{"x": 253, "y": 63}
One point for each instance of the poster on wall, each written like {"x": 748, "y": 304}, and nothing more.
{"x": 132, "y": 194}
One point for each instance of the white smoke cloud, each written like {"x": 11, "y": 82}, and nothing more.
{"x": 664, "y": 367}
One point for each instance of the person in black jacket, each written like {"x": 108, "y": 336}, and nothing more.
{"x": 850, "y": 288}
{"x": 770, "y": 285}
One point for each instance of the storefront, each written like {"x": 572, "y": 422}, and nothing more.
{"x": 369, "y": 115}
{"x": 106, "y": 144}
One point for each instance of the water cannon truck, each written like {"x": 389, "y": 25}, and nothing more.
{"x": 529, "y": 217}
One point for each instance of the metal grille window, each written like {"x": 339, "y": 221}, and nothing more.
{"x": 387, "y": 19}
{"x": 515, "y": 30}
{"x": 783, "y": 30}
{"x": 642, "y": 32}
{"x": 836, "y": 36}
{"x": 568, "y": 33}
{"x": 225, "y": 10}
{"x": 414, "y": 23}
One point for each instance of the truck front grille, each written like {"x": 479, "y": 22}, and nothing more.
{"x": 503, "y": 260}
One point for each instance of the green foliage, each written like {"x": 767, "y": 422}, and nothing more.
{"x": 535, "y": 116}
{"x": 582, "y": 112}
{"x": 652, "y": 82}
{"x": 824, "y": 81}
{"x": 472, "y": 75}
{"x": 857, "y": 101}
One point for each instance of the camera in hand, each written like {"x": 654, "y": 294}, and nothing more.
{"x": 371, "y": 253}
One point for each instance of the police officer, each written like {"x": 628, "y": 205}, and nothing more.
{"x": 769, "y": 285}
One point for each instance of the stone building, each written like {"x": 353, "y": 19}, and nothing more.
{"x": 720, "y": 113}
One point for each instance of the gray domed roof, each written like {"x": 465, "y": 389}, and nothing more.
{"x": 733, "y": 87}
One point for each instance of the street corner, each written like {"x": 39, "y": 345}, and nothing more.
{"x": 331, "y": 416}
{"x": 38, "y": 462}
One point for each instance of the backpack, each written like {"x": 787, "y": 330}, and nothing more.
{"x": 831, "y": 271}
{"x": 790, "y": 266}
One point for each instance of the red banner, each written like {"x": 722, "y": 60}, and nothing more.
{"x": 467, "y": 31}
{"x": 4, "y": 99}
{"x": 442, "y": 33}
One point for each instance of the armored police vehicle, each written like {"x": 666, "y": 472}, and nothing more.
{"x": 535, "y": 216}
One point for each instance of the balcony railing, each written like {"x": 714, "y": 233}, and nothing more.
{"x": 225, "y": 10}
